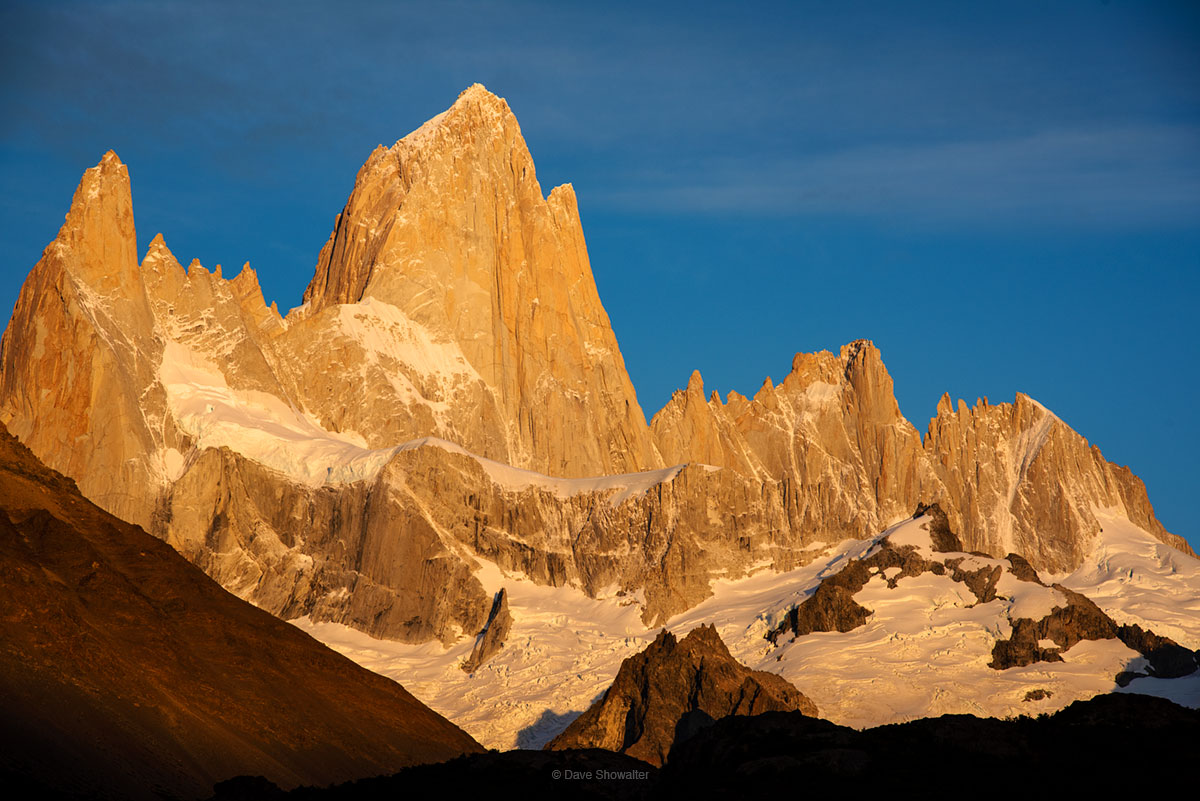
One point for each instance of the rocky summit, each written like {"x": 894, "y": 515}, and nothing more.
{"x": 443, "y": 439}
{"x": 671, "y": 690}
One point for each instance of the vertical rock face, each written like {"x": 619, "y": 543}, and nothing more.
{"x": 450, "y": 227}
{"x": 449, "y": 377}
{"x": 830, "y": 436}
{"x": 1019, "y": 480}
{"x": 367, "y": 554}
{"x": 79, "y": 357}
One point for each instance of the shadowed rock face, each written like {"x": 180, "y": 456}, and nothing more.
{"x": 670, "y": 691}
{"x": 1102, "y": 747}
{"x": 128, "y": 673}
{"x": 1085, "y": 748}
{"x": 1167, "y": 659}
{"x": 940, "y": 535}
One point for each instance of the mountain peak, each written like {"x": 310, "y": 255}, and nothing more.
{"x": 159, "y": 256}
{"x": 450, "y": 229}
{"x": 477, "y": 92}
{"x": 851, "y": 350}
{"x": 475, "y": 109}
{"x": 97, "y": 241}
{"x": 673, "y": 686}
{"x": 108, "y": 179}
{"x": 477, "y": 97}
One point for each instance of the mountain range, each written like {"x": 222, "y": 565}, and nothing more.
{"x": 438, "y": 465}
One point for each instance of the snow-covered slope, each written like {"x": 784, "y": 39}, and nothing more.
{"x": 924, "y": 651}
{"x": 258, "y": 425}
{"x": 1135, "y": 578}
{"x": 563, "y": 650}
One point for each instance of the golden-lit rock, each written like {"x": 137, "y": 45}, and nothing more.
{"x": 79, "y": 358}
{"x": 450, "y": 228}
{"x": 830, "y": 439}
{"x": 1020, "y": 480}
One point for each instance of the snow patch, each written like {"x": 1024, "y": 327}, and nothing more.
{"x": 913, "y": 532}
{"x": 172, "y": 464}
{"x": 820, "y": 393}
{"x": 1138, "y": 579}
{"x": 923, "y": 652}
{"x": 623, "y": 486}
{"x": 392, "y": 340}
{"x": 259, "y": 425}
{"x": 1029, "y": 600}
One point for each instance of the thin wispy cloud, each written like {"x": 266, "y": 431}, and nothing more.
{"x": 1127, "y": 176}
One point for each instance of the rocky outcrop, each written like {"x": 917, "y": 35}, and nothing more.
{"x": 832, "y": 607}
{"x": 942, "y": 538}
{"x": 1011, "y": 478}
{"x": 1069, "y": 616}
{"x": 829, "y": 438}
{"x": 1165, "y": 658}
{"x": 672, "y": 689}
{"x": 1080, "y": 619}
{"x": 128, "y": 673}
{"x": 491, "y": 639}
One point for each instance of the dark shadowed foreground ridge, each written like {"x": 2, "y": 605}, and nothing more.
{"x": 128, "y": 673}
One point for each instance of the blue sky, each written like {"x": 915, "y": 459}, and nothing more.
{"x": 1004, "y": 196}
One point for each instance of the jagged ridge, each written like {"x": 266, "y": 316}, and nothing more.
{"x": 454, "y": 300}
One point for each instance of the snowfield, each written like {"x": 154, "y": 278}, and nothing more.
{"x": 924, "y": 652}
